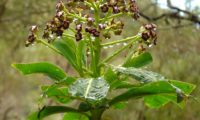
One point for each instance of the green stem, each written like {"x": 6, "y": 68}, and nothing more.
{"x": 67, "y": 35}
{"x": 112, "y": 16}
{"x": 97, "y": 56}
{"x": 48, "y": 45}
{"x": 119, "y": 51}
{"x": 76, "y": 16}
{"x": 96, "y": 114}
{"x": 119, "y": 41}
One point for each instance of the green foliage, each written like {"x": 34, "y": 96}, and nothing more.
{"x": 50, "y": 110}
{"x": 90, "y": 88}
{"x": 42, "y": 67}
{"x": 139, "y": 60}
{"x": 141, "y": 75}
{"x": 96, "y": 76}
{"x": 74, "y": 116}
{"x": 164, "y": 88}
{"x": 57, "y": 93}
{"x": 67, "y": 48}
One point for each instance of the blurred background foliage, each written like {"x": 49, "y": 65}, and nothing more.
{"x": 176, "y": 56}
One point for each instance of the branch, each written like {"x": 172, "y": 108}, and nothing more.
{"x": 189, "y": 16}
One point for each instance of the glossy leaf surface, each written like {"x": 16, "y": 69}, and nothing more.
{"x": 90, "y": 88}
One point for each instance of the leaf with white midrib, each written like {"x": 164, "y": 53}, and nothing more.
{"x": 89, "y": 88}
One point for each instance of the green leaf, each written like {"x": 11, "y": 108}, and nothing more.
{"x": 90, "y": 88}
{"x": 81, "y": 53}
{"x": 156, "y": 101}
{"x": 50, "y": 110}
{"x": 168, "y": 89}
{"x": 114, "y": 82}
{"x": 84, "y": 106}
{"x": 74, "y": 116}
{"x": 120, "y": 105}
{"x": 41, "y": 67}
{"x": 68, "y": 49}
{"x": 141, "y": 75}
{"x": 111, "y": 77}
{"x": 139, "y": 60}
{"x": 67, "y": 81}
{"x": 59, "y": 94}
{"x": 187, "y": 88}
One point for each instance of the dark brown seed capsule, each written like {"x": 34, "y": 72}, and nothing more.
{"x": 87, "y": 29}
{"x": 96, "y": 33}
{"x": 78, "y": 36}
{"x": 104, "y": 8}
{"x": 31, "y": 38}
{"x": 65, "y": 24}
{"x": 145, "y": 36}
{"x": 136, "y": 16}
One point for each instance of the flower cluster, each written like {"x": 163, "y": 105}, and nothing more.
{"x": 82, "y": 14}
{"x": 148, "y": 34}
{"x": 58, "y": 24}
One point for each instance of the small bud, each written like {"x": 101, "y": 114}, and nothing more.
{"x": 34, "y": 29}
{"x": 102, "y": 26}
{"x": 115, "y": 10}
{"x": 60, "y": 6}
{"x": 46, "y": 35}
{"x": 60, "y": 15}
{"x": 112, "y": 2}
{"x": 118, "y": 32}
{"x": 107, "y": 35}
{"x": 141, "y": 48}
{"x": 59, "y": 32}
{"x": 90, "y": 21}
{"x": 79, "y": 27}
